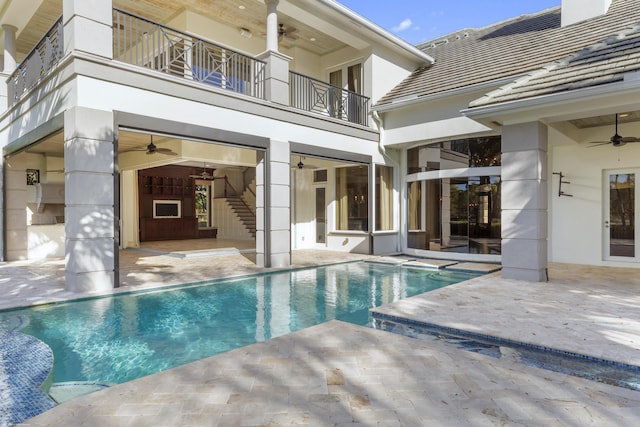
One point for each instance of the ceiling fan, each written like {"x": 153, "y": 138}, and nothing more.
{"x": 616, "y": 140}
{"x": 284, "y": 32}
{"x": 302, "y": 165}
{"x": 153, "y": 149}
{"x": 205, "y": 175}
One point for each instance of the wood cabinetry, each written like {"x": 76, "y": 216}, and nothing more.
{"x": 166, "y": 184}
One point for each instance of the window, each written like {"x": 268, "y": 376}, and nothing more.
{"x": 33, "y": 176}
{"x": 320, "y": 175}
{"x": 352, "y": 204}
{"x": 455, "y": 215}
{"x": 203, "y": 203}
{"x": 341, "y": 103}
{"x": 455, "y": 154}
{"x": 384, "y": 198}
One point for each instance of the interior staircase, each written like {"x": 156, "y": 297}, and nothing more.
{"x": 246, "y": 215}
{"x": 244, "y": 207}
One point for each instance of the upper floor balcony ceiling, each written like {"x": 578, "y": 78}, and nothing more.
{"x": 247, "y": 14}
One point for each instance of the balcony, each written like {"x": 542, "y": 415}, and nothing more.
{"x": 144, "y": 43}
{"x": 37, "y": 64}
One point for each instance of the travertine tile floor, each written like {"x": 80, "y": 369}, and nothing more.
{"x": 340, "y": 374}
{"x": 345, "y": 375}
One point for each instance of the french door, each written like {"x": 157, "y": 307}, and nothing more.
{"x": 620, "y": 220}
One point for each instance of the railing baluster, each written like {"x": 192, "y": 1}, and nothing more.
{"x": 175, "y": 52}
{"x": 323, "y": 98}
{"x": 37, "y": 64}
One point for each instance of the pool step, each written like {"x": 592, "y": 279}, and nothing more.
{"x": 467, "y": 267}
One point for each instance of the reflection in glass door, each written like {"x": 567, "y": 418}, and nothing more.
{"x": 620, "y": 220}
{"x": 321, "y": 215}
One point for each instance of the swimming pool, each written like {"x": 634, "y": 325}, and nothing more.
{"x": 120, "y": 338}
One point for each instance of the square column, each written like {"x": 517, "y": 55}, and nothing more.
{"x": 276, "y": 77}
{"x": 273, "y": 206}
{"x": 88, "y": 26}
{"x": 15, "y": 199}
{"x": 91, "y": 248}
{"x": 524, "y": 202}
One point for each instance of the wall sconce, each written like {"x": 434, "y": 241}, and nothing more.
{"x": 245, "y": 32}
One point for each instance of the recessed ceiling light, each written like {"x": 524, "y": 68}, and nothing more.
{"x": 312, "y": 39}
{"x": 623, "y": 115}
{"x": 242, "y": 7}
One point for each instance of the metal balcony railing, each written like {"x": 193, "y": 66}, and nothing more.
{"x": 144, "y": 43}
{"x": 37, "y": 64}
{"x": 309, "y": 94}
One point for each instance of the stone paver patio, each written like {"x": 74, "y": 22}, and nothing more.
{"x": 341, "y": 374}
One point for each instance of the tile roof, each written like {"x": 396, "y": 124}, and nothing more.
{"x": 601, "y": 63}
{"x": 510, "y": 48}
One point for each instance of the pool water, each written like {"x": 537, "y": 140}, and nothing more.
{"x": 117, "y": 339}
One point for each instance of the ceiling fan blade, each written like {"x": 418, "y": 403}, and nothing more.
{"x": 630, "y": 139}
{"x": 598, "y": 143}
{"x": 166, "y": 151}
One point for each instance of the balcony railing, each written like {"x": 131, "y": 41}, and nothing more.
{"x": 37, "y": 64}
{"x": 309, "y": 94}
{"x": 144, "y": 43}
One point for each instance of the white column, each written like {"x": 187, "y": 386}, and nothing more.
{"x": 277, "y": 64}
{"x": 90, "y": 249}
{"x": 88, "y": 26}
{"x": 524, "y": 202}
{"x": 9, "y": 48}
{"x": 273, "y": 206}
{"x": 272, "y": 25}
{"x": 15, "y": 196}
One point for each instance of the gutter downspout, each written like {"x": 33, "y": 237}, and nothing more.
{"x": 379, "y": 120}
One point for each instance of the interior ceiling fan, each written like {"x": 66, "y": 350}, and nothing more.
{"x": 616, "y": 140}
{"x": 205, "y": 175}
{"x": 153, "y": 149}
{"x": 302, "y": 165}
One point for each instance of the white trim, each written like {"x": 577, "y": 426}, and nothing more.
{"x": 454, "y": 173}
{"x": 585, "y": 96}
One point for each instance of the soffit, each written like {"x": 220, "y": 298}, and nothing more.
{"x": 591, "y": 122}
{"x": 252, "y": 17}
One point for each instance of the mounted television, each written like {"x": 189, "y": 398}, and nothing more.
{"x": 167, "y": 209}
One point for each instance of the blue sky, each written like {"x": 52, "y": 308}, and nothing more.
{"x": 420, "y": 20}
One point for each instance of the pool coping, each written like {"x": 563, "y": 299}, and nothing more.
{"x": 498, "y": 340}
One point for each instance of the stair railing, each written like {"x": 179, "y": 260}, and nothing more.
{"x": 227, "y": 185}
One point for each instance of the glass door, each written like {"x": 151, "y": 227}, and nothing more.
{"x": 321, "y": 215}
{"x": 620, "y": 205}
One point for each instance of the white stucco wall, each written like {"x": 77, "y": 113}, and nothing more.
{"x": 576, "y": 223}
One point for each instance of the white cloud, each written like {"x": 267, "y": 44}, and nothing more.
{"x": 404, "y": 25}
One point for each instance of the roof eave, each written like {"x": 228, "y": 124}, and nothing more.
{"x": 623, "y": 92}
{"x": 411, "y": 101}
